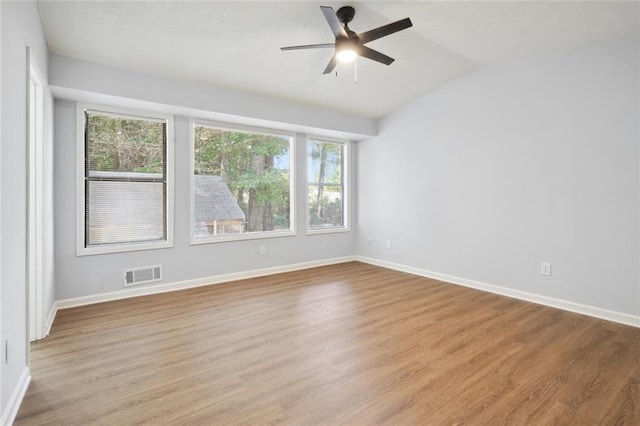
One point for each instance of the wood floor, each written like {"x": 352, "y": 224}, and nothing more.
{"x": 343, "y": 344}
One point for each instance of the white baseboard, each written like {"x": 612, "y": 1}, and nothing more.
{"x": 50, "y": 318}
{"x": 11, "y": 411}
{"x": 592, "y": 311}
{"x": 198, "y": 282}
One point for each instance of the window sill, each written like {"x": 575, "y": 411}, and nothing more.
{"x": 336, "y": 230}
{"x": 242, "y": 237}
{"x": 90, "y": 251}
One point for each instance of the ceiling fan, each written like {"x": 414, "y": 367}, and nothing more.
{"x": 348, "y": 44}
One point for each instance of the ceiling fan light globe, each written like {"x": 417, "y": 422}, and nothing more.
{"x": 346, "y": 55}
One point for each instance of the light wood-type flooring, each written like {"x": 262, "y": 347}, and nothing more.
{"x": 344, "y": 344}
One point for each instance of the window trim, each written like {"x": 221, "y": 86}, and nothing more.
{"x": 292, "y": 232}
{"x": 81, "y": 250}
{"x": 346, "y": 181}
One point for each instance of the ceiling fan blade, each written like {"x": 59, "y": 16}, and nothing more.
{"x": 333, "y": 21}
{"x": 384, "y": 30}
{"x": 374, "y": 55}
{"x": 331, "y": 65}
{"x": 309, "y": 46}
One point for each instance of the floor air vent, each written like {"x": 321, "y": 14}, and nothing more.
{"x": 144, "y": 275}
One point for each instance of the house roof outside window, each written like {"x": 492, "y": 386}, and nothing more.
{"x": 213, "y": 201}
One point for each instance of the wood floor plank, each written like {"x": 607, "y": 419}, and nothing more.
{"x": 342, "y": 344}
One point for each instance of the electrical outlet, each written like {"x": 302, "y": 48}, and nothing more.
{"x": 388, "y": 244}
{"x": 545, "y": 269}
{"x": 369, "y": 242}
{"x": 263, "y": 249}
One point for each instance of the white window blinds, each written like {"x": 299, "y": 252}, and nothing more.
{"x": 125, "y": 179}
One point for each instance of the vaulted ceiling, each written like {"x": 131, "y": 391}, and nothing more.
{"x": 236, "y": 44}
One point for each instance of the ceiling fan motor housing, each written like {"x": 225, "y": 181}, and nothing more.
{"x": 345, "y": 14}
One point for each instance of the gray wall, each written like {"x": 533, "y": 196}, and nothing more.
{"x": 88, "y": 275}
{"x": 534, "y": 160}
{"x": 20, "y": 28}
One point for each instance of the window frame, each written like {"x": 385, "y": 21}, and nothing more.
{"x": 346, "y": 193}
{"x": 81, "y": 249}
{"x": 292, "y": 232}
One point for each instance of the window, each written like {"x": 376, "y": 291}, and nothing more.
{"x": 125, "y": 186}
{"x": 325, "y": 186}
{"x": 242, "y": 183}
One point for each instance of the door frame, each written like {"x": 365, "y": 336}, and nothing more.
{"x": 35, "y": 198}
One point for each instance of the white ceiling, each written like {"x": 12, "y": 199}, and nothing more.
{"x": 236, "y": 44}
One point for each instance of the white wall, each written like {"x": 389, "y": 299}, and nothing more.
{"x": 89, "y": 275}
{"x": 20, "y": 28}
{"x": 518, "y": 163}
